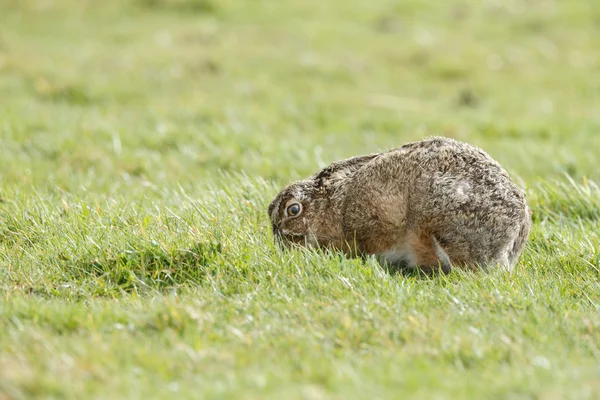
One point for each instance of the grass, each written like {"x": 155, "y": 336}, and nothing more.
{"x": 141, "y": 141}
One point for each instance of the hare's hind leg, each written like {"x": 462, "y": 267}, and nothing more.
{"x": 428, "y": 254}
{"x": 444, "y": 258}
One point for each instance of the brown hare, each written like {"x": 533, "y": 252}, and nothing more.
{"x": 435, "y": 203}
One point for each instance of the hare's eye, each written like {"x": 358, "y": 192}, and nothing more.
{"x": 293, "y": 210}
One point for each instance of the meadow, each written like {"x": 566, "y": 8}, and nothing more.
{"x": 142, "y": 140}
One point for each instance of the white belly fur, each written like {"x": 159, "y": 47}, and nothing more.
{"x": 402, "y": 256}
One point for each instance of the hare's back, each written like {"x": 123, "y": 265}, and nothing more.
{"x": 440, "y": 192}
{"x": 466, "y": 199}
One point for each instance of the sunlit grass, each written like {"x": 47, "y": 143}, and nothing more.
{"x": 141, "y": 142}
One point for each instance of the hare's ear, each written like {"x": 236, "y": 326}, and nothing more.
{"x": 340, "y": 170}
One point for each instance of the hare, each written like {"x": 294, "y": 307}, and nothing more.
{"x": 431, "y": 204}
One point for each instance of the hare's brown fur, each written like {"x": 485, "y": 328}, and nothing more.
{"x": 436, "y": 202}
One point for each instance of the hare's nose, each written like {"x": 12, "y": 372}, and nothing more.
{"x": 276, "y": 231}
{"x": 278, "y": 237}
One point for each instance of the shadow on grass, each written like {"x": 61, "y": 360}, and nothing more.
{"x": 155, "y": 267}
{"x": 414, "y": 273}
{"x": 69, "y": 94}
{"x": 181, "y": 6}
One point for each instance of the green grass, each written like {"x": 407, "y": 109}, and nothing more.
{"x": 141, "y": 141}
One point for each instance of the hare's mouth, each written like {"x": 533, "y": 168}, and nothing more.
{"x": 294, "y": 239}
{"x": 286, "y": 238}
{"x": 302, "y": 240}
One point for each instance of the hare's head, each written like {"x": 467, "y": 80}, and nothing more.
{"x": 293, "y": 213}
{"x": 307, "y": 212}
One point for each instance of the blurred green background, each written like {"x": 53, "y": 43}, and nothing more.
{"x": 110, "y": 95}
